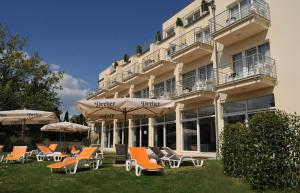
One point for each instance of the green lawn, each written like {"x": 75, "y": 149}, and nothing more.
{"x": 35, "y": 177}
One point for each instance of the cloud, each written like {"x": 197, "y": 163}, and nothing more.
{"x": 74, "y": 89}
{"x": 54, "y": 67}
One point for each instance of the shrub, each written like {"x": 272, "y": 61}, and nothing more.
{"x": 86, "y": 142}
{"x": 179, "y": 22}
{"x": 266, "y": 153}
{"x": 138, "y": 49}
{"x": 158, "y": 36}
{"x": 126, "y": 58}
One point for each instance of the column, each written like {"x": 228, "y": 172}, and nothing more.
{"x": 130, "y": 129}
{"x": 115, "y": 132}
{"x": 178, "y": 78}
{"x": 151, "y": 120}
{"x": 102, "y": 134}
{"x": 179, "y": 143}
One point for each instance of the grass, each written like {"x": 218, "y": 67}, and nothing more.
{"x": 35, "y": 177}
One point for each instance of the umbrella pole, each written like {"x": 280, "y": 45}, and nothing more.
{"x": 124, "y": 124}
{"x": 23, "y": 127}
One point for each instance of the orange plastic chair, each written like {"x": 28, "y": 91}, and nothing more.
{"x": 140, "y": 158}
{"x": 71, "y": 164}
{"x": 45, "y": 152}
{"x": 18, "y": 154}
{"x": 53, "y": 147}
{"x": 74, "y": 151}
{"x": 1, "y": 148}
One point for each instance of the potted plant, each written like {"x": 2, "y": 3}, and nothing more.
{"x": 158, "y": 37}
{"x": 179, "y": 22}
{"x": 115, "y": 64}
{"x": 204, "y": 7}
{"x": 126, "y": 58}
{"x": 139, "y": 50}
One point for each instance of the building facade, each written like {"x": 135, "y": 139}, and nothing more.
{"x": 218, "y": 70}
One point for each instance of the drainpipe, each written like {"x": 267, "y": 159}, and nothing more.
{"x": 213, "y": 8}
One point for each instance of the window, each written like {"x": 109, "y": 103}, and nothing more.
{"x": 165, "y": 89}
{"x": 240, "y": 111}
{"x": 144, "y": 93}
{"x": 238, "y": 11}
{"x": 245, "y": 62}
{"x": 203, "y": 35}
{"x": 109, "y": 132}
{"x": 165, "y": 131}
{"x": 140, "y": 132}
{"x": 199, "y": 129}
{"x": 170, "y": 31}
{"x": 122, "y": 133}
{"x": 193, "y": 17}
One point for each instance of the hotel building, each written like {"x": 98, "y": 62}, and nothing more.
{"x": 218, "y": 70}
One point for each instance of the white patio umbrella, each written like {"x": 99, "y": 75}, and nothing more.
{"x": 25, "y": 117}
{"x": 65, "y": 127}
{"x": 124, "y": 108}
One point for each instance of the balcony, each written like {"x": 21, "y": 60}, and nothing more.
{"x": 195, "y": 89}
{"x": 240, "y": 22}
{"x": 114, "y": 80}
{"x": 190, "y": 46}
{"x": 250, "y": 73}
{"x": 131, "y": 74}
{"x": 157, "y": 62}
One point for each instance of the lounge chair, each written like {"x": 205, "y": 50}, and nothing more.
{"x": 74, "y": 151}
{"x": 140, "y": 160}
{"x": 158, "y": 155}
{"x": 70, "y": 164}
{"x": 176, "y": 160}
{"x": 121, "y": 152}
{"x": 46, "y": 153}
{"x": 53, "y": 147}
{"x": 18, "y": 154}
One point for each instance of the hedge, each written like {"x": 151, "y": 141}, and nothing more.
{"x": 265, "y": 152}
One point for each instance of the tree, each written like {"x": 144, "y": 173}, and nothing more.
{"x": 126, "y": 58}
{"x": 79, "y": 119}
{"x": 204, "y": 6}
{"x": 66, "y": 116}
{"x": 139, "y": 49}
{"x": 25, "y": 81}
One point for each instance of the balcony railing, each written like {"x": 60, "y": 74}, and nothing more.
{"x": 152, "y": 59}
{"x": 195, "y": 84}
{"x": 196, "y": 35}
{"x": 230, "y": 16}
{"x": 194, "y": 16}
{"x": 247, "y": 67}
{"x": 102, "y": 85}
{"x": 114, "y": 80}
{"x": 131, "y": 71}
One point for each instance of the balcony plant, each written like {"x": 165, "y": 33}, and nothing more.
{"x": 126, "y": 58}
{"x": 204, "y": 7}
{"x": 158, "y": 37}
{"x": 138, "y": 50}
{"x": 179, "y": 22}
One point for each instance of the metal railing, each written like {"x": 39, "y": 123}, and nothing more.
{"x": 114, "y": 80}
{"x": 131, "y": 71}
{"x": 194, "y": 16}
{"x": 247, "y": 67}
{"x": 230, "y": 16}
{"x": 102, "y": 85}
{"x": 152, "y": 59}
{"x": 192, "y": 84}
{"x": 196, "y": 35}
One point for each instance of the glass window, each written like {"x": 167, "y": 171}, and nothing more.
{"x": 235, "y": 119}
{"x": 233, "y": 107}
{"x": 170, "y": 32}
{"x": 171, "y": 135}
{"x": 159, "y": 119}
{"x": 144, "y": 130}
{"x": 188, "y": 114}
{"x": 207, "y": 134}
{"x": 136, "y": 140}
{"x": 188, "y": 80}
{"x": 206, "y": 111}
{"x": 190, "y": 135}
{"x": 159, "y": 135}
{"x": 261, "y": 102}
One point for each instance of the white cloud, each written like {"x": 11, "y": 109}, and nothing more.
{"x": 74, "y": 89}
{"x": 54, "y": 67}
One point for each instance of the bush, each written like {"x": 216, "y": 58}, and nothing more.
{"x": 266, "y": 153}
{"x": 179, "y": 22}
{"x": 86, "y": 142}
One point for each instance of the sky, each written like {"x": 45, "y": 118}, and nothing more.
{"x": 81, "y": 38}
